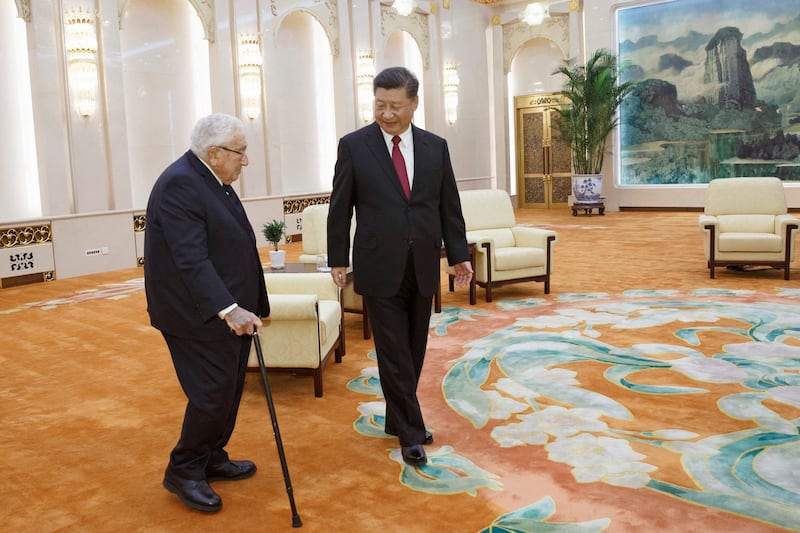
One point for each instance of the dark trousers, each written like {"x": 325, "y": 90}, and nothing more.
{"x": 400, "y": 328}
{"x": 211, "y": 374}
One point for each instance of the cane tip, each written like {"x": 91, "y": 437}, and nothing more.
{"x": 296, "y": 522}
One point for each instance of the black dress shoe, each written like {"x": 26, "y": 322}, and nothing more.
{"x": 194, "y": 493}
{"x": 414, "y": 455}
{"x": 230, "y": 471}
{"x": 428, "y": 437}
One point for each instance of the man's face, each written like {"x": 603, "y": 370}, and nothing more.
{"x": 394, "y": 110}
{"x": 227, "y": 161}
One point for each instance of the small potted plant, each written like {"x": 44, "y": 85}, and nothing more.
{"x": 274, "y": 232}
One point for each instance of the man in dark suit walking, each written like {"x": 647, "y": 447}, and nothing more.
{"x": 400, "y": 181}
{"x": 205, "y": 293}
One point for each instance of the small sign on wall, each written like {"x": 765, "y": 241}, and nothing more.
{"x": 23, "y": 260}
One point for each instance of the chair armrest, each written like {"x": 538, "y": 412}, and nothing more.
{"x": 317, "y": 283}
{"x": 781, "y": 221}
{"x": 307, "y": 258}
{"x": 292, "y": 307}
{"x": 528, "y": 237}
{"x": 707, "y": 220}
{"x": 482, "y": 243}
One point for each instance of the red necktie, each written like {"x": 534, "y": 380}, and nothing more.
{"x": 400, "y": 166}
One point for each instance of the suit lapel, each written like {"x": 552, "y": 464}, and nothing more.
{"x": 218, "y": 191}
{"x": 422, "y": 157}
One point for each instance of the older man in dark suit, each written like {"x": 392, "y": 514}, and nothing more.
{"x": 400, "y": 181}
{"x": 205, "y": 293}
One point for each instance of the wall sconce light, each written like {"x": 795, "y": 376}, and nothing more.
{"x": 81, "y": 48}
{"x": 365, "y": 73}
{"x": 534, "y": 14}
{"x": 404, "y": 7}
{"x": 450, "y": 87}
{"x": 250, "y": 63}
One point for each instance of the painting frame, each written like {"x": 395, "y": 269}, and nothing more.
{"x": 715, "y": 91}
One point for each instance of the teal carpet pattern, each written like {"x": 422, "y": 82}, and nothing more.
{"x": 660, "y": 396}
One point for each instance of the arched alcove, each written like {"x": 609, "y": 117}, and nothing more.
{"x": 530, "y": 72}
{"x": 165, "y": 70}
{"x": 304, "y": 95}
{"x": 403, "y": 50}
{"x": 20, "y": 198}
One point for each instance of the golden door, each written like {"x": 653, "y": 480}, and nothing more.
{"x": 544, "y": 174}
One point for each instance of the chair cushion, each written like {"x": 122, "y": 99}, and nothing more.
{"x": 315, "y": 232}
{"x": 727, "y": 196}
{"x": 747, "y": 223}
{"x": 517, "y": 258}
{"x": 486, "y": 209}
{"x": 315, "y": 229}
{"x": 750, "y": 242}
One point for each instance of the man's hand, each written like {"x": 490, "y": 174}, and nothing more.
{"x": 242, "y": 321}
{"x": 339, "y": 275}
{"x": 463, "y": 273}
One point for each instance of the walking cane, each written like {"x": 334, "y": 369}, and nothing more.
{"x": 296, "y": 522}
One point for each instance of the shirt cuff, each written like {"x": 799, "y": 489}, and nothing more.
{"x": 227, "y": 310}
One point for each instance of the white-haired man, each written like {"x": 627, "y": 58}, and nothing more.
{"x": 205, "y": 293}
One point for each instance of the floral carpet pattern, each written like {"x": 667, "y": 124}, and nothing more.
{"x": 108, "y": 291}
{"x": 692, "y": 395}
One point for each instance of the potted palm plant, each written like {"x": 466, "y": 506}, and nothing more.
{"x": 274, "y": 232}
{"x": 593, "y": 94}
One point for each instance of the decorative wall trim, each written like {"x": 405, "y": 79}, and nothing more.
{"x": 139, "y": 223}
{"x": 24, "y": 9}
{"x": 415, "y": 24}
{"x": 293, "y": 206}
{"x": 25, "y": 235}
{"x": 515, "y": 34}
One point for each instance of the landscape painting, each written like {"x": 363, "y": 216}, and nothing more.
{"x": 717, "y": 91}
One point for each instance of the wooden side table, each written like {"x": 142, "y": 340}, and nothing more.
{"x": 587, "y": 207}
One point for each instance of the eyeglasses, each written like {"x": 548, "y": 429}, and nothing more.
{"x": 240, "y": 153}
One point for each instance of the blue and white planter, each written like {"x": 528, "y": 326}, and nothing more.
{"x": 587, "y": 187}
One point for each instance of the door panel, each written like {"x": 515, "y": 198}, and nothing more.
{"x": 543, "y": 161}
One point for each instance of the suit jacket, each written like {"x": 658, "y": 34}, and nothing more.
{"x": 365, "y": 178}
{"x": 200, "y": 254}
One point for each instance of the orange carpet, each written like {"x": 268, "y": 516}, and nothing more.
{"x": 91, "y": 407}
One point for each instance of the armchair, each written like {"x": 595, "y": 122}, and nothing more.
{"x": 315, "y": 242}
{"x": 745, "y": 222}
{"x": 504, "y": 252}
{"x": 305, "y": 325}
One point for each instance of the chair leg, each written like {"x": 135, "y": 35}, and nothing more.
{"x": 318, "y": 382}
{"x": 472, "y": 291}
{"x": 450, "y": 283}
{"x": 365, "y": 324}
{"x": 488, "y": 248}
{"x": 712, "y": 243}
{"x": 338, "y": 351}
